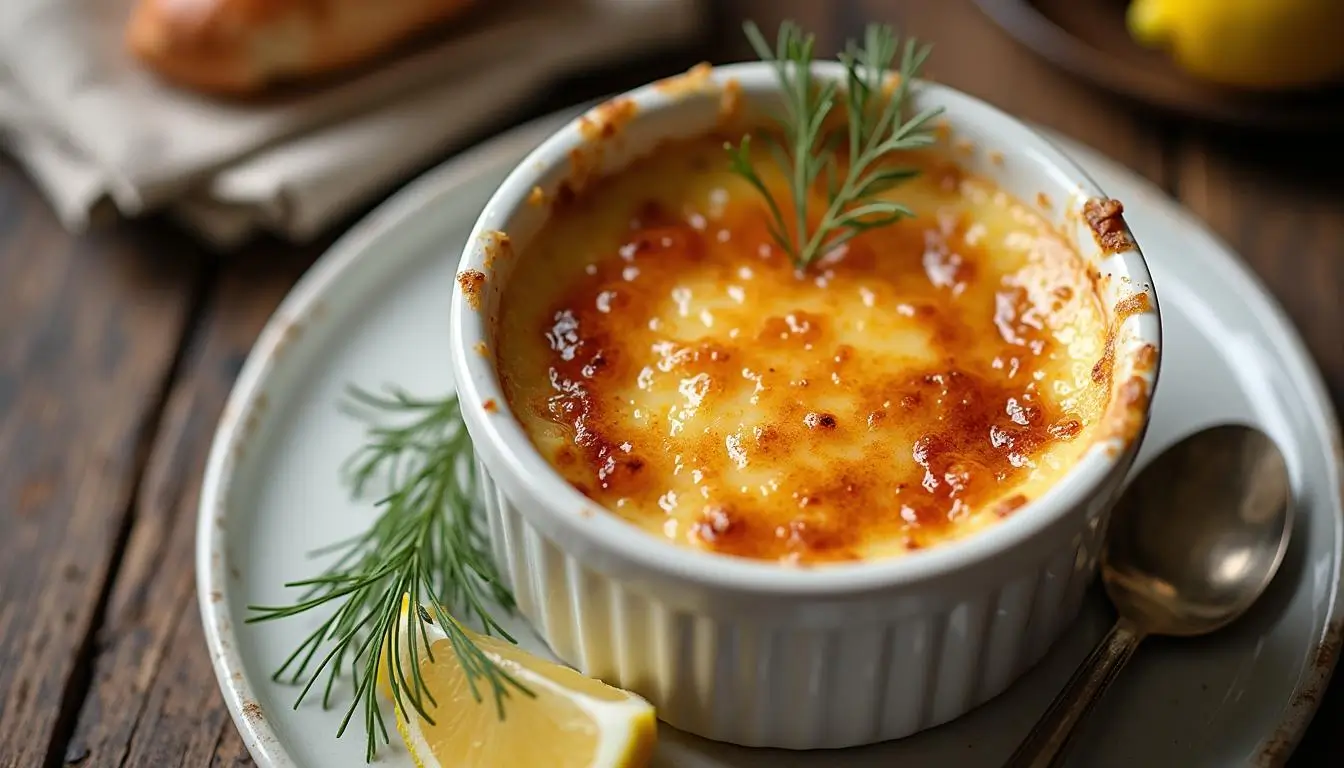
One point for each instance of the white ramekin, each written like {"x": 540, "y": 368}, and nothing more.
{"x": 752, "y": 652}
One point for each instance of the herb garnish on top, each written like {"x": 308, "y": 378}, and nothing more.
{"x": 846, "y": 159}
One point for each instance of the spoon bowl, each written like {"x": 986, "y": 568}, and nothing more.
{"x": 1200, "y": 533}
{"x": 1193, "y": 543}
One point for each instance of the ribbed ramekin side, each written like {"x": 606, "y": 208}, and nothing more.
{"x": 736, "y": 680}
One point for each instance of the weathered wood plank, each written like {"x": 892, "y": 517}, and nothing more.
{"x": 154, "y": 699}
{"x": 89, "y": 331}
{"x": 230, "y": 752}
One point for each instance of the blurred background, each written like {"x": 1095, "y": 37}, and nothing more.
{"x": 170, "y": 169}
{"x": 237, "y": 117}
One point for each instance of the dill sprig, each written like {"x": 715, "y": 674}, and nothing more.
{"x": 809, "y": 148}
{"x": 426, "y": 546}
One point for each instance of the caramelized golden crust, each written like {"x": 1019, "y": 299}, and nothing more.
{"x": 1107, "y": 221}
{"x": 677, "y": 369}
{"x": 1124, "y": 309}
{"x": 472, "y": 283}
{"x": 607, "y": 119}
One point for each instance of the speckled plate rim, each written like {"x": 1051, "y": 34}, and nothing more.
{"x": 238, "y": 423}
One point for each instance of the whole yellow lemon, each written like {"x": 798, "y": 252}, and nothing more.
{"x": 1263, "y": 44}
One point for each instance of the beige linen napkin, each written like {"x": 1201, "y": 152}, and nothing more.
{"x": 92, "y": 127}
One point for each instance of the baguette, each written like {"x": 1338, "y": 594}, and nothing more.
{"x": 240, "y": 47}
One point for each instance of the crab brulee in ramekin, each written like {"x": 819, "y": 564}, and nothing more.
{"x": 812, "y": 444}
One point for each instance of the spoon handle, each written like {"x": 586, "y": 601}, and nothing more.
{"x": 1045, "y": 746}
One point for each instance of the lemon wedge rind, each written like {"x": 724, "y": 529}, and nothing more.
{"x": 626, "y": 726}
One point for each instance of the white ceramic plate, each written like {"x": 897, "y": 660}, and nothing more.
{"x": 373, "y": 312}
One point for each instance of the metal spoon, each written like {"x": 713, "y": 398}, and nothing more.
{"x": 1193, "y": 542}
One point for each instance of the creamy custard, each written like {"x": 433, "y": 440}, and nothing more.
{"x": 929, "y": 378}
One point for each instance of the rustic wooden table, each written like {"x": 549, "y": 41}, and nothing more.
{"x": 117, "y": 350}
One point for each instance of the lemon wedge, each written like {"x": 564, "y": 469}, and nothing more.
{"x": 1265, "y": 44}
{"x": 570, "y": 721}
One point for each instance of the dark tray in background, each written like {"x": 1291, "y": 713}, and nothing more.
{"x": 1088, "y": 38}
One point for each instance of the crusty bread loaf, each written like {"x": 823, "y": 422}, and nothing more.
{"x": 240, "y": 47}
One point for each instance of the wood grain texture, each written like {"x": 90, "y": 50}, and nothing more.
{"x": 230, "y": 752}
{"x": 89, "y": 331}
{"x": 154, "y": 699}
